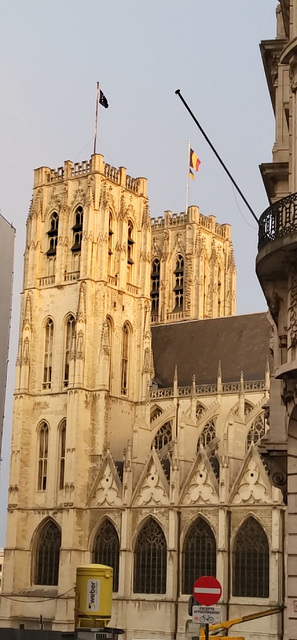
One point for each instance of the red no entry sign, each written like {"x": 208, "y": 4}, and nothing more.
{"x": 207, "y": 590}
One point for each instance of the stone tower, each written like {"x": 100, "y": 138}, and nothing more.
{"x": 84, "y": 358}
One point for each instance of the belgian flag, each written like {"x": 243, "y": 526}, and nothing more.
{"x": 194, "y": 162}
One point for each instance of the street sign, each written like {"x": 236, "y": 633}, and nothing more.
{"x": 206, "y": 615}
{"x": 207, "y": 590}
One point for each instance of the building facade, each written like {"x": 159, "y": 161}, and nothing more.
{"x": 277, "y": 272}
{"x": 136, "y": 423}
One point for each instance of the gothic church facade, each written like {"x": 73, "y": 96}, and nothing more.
{"x": 137, "y": 414}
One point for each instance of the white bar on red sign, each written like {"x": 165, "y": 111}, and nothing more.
{"x": 206, "y": 590}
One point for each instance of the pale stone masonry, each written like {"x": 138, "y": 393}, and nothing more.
{"x": 106, "y": 427}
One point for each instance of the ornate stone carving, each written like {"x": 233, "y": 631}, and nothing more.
{"x": 152, "y": 490}
{"x": 252, "y": 488}
{"x": 200, "y": 488}
{"x": 107, "y": 491}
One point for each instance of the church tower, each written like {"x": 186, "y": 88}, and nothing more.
{"x": 84, "y": 357}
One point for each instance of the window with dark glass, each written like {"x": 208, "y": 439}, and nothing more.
{"x": 257, "y": 430}
{"x": 107, "y": 550}
{"x": 163, "y": 436}
{"x": 110, "y": 234}
{"x": 150, "y": 559}
{"x": 155, "y": 291}
{"x": 199, "y": 556}
{"x": 130, "y": 243}
{"x": 125, "y": 354}
{"x": 48, "y": 354}
{"x": 77, "y": 229}
{"x": 43, "y": 457}
{"x": 70, "y": 334}
{"x": 179, "y": 284}
{"x": 62, "y": 454}
{"x": 48, "y": 555}
{"x": 251, "y": 561}
{"x": 53, "y": 234}
{"x": 208, "y": 434}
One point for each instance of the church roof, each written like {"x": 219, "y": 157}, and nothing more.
{"x": 241, "y": 343}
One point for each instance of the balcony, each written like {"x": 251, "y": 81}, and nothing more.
{"x": 279, "y": 220}
{"x": 277, "y": 255}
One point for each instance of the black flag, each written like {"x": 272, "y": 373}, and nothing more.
{"x": 103, "y": 100}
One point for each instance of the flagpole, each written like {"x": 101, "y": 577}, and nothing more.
{"x": 96, "y": 118}
{"x": 187, "y": 189}
{"x": 217, "y": 155}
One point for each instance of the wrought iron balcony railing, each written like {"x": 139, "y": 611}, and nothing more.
{"x": 280, "y": 219}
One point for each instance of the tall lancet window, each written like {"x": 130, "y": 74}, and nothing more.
{"x": 251, "y": 561}
{"x": 199, "y": 556}
{"x": 42, "y": 457}
{"x": 53, "y": 234}
{"x": 110, "y": 243}
{"x": 179, "y": 284}
{"x": 48, "y": 555}
{"x": 69, "y": 336}
{"x": 155, "y": 291}
{"x": 107, "y": 550}
{"x": 62, "y": 454}
{"x": 130, "y": 243}
{"x": 77, "y": 229}
{"x": 150, "y": 559}
{"x": 48, "y": 354}
{"x": 125, "y": 359}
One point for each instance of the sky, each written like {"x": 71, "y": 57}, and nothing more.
{"x": 53, "y": 54}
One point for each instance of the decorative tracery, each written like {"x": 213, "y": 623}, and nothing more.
{"x": 150, "y": 559}
{"x": 208, "y": 434}
{"x": 251, "y": 561}
{"x": 257, "y": 430}
{"x": 107, "y": 550}
{"x": 163, "y": 436}
{"x": 48, "y": 555}
{"x": 199, "y": 554}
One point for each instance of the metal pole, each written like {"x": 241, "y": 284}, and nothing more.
{"x": 207, "y": 632}
{"x": 96, "y": 117}
{"x": 188, "y": 169}
{"x": 217, "y": 155}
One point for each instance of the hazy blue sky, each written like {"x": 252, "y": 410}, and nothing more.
{"x": 52, "y": 55}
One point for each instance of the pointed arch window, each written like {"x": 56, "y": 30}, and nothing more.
{"x": 69, "y": 338}
{"x": 219, "y": 292}
{"x": 62, "y": 452}
{"x": 199, "y": 556}
{"x": 125, "y": 359}
{"x": 42, "y": 457}
{"x": 48, "y": 354}
{"x": 179, "y": 284}
{"x": 48, "y": 555}
{"x": 251, "y": 561}
{"x": 53, "y": 234}
{"x": 163, "y": 436}
{"x": 77, "y": 229}
{"x": 257, "y": 430}
{"x": 155, "y": 291}
{"x": 107, "y": 550}
{"x": 150, "y": 559}
{"x": 130, "y": 243}
{"x": 110, "y": 234}
{"x": 208, "y": 434}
